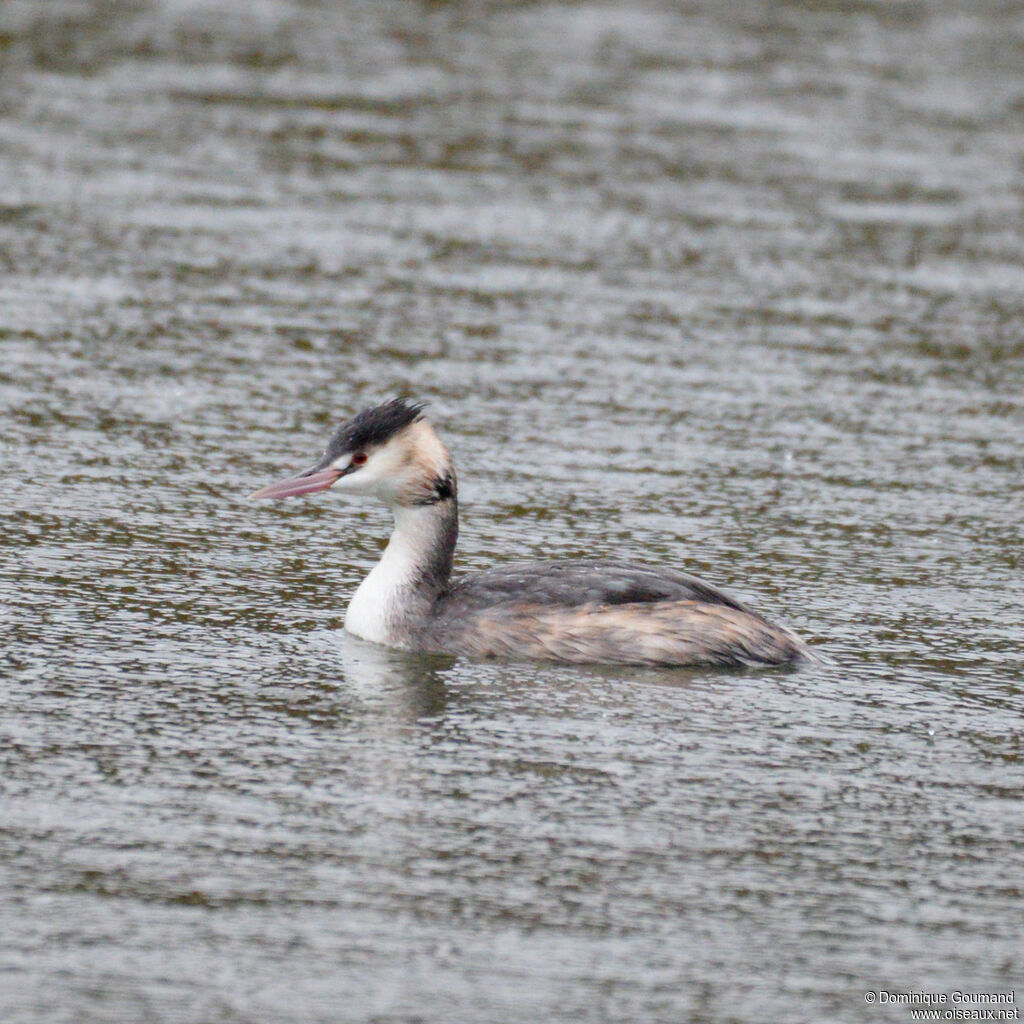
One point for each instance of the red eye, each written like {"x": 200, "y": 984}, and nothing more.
{"x": 359, "y": 458}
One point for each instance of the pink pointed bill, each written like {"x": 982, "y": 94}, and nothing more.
{"x": 306, "y": 483}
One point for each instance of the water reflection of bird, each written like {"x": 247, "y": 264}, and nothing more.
{"x": 570, "y": 611}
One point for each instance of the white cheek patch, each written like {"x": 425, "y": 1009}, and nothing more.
{"x": 341, "y": 463}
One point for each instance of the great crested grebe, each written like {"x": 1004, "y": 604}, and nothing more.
{"x": 574, "y": 611}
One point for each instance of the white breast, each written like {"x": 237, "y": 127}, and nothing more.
{"x": 371, "y": 609}
{"x": 387, "y": 598}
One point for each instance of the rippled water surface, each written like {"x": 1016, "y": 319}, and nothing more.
{"x": 731, "y": 287}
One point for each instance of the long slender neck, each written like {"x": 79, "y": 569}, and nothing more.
{"x": 400, "y": 591}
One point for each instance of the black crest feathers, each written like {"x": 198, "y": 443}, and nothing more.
{"x": 374, "y": 426}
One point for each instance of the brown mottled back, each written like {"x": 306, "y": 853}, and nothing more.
{"x": 687, "y": 632}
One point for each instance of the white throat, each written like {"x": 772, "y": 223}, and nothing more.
{"x": 397, "y": 595}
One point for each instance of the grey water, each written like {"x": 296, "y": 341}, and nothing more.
{"x": 736, "y": 288}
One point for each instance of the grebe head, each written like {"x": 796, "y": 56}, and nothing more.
{"x": 388, "y": 451}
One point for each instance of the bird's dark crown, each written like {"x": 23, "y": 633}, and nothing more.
{"x": 374, "y": 426}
